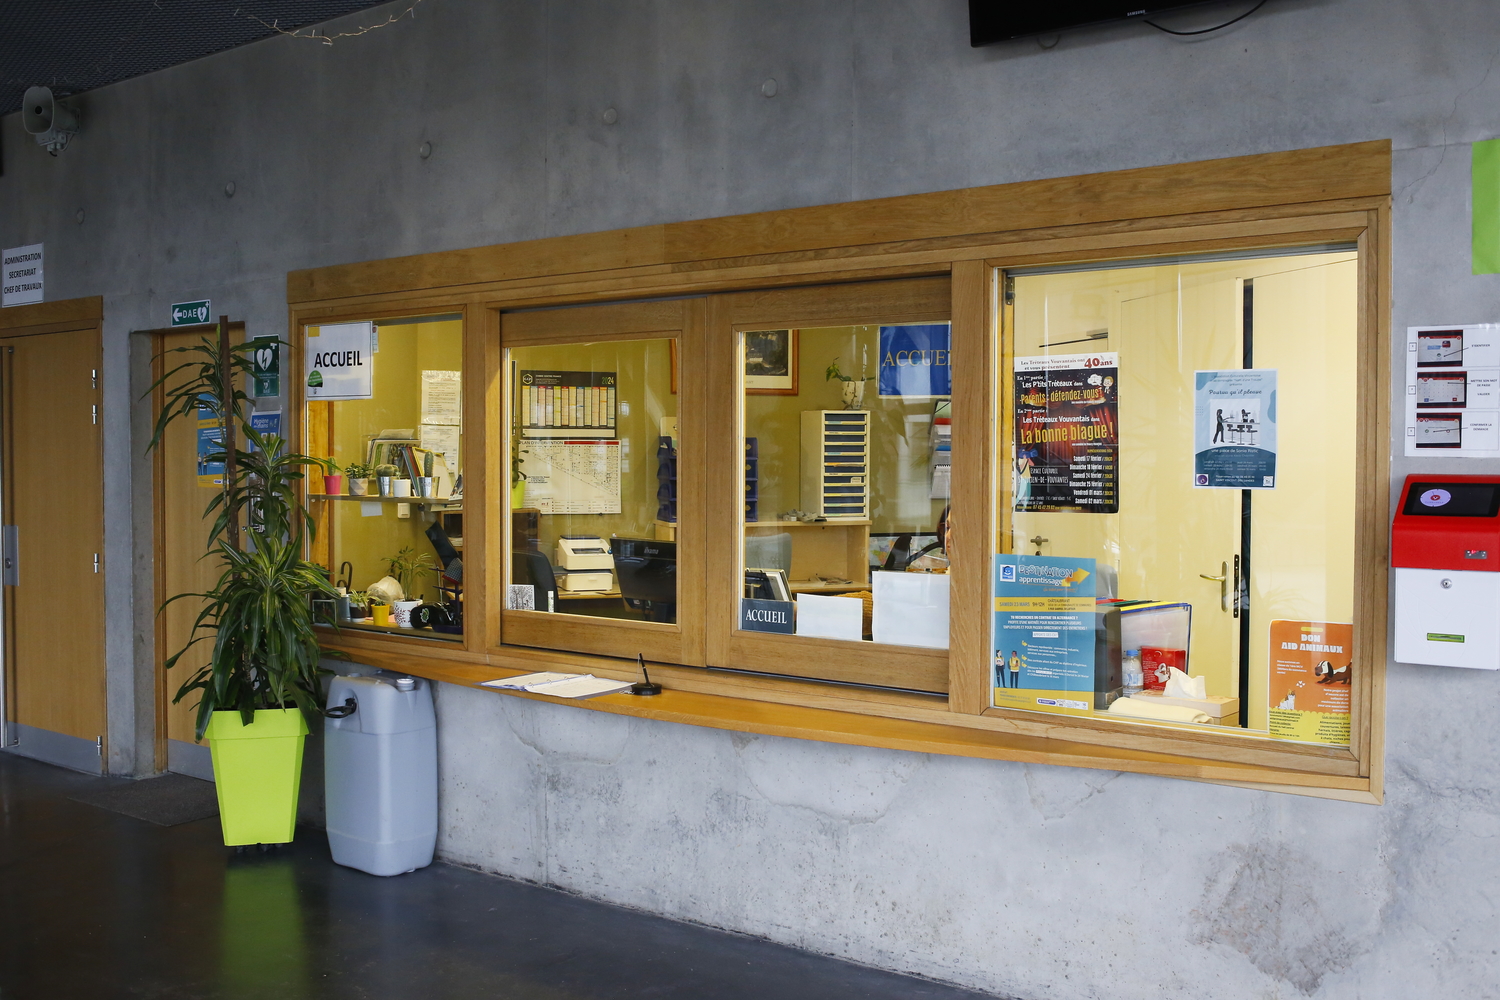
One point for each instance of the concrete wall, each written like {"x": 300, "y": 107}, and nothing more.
{"x": 1032, "y": 881}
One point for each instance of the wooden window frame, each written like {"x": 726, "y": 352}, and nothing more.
{"x": 681, "y": 643}
{"x": 908, "y": 300}
{"x": 1337, "y": 194}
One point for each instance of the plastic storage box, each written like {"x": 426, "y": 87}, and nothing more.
{"x": 380, "y": 773}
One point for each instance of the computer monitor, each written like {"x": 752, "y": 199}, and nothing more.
{"x": 647, "y": 571}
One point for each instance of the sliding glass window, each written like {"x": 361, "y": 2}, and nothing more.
{"x": 384, "y": 402}
{"x": 1176, "y": 510}
{"x": 600, "y": 483}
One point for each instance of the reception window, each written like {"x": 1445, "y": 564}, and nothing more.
{"x": 594, "y": 480}
{"x": 1088, "y": 470}
{"x": 845, "y": 484}
{"x": 384, "y": 403}
{"x": 1177, "y": 475}
{"x": 601, "y": 480}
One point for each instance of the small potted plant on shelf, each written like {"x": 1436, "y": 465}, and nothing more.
{"x": 409, "y": 567}
{"x": 359, "y": 605}
{"x": 854, "y": 388}
{"x": 385, "y": 476}
{"x": 333, "y": 481}
{"x": 260, "y": 677}
{"x": 359, "y": 475}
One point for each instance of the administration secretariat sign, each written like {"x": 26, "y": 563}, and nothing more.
{"x": 23, "y": 275}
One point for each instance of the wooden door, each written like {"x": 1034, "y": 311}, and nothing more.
{"x": 181, "y": 547}
{"x": 53, "y": 496}
{"x": 1173, "y": 536}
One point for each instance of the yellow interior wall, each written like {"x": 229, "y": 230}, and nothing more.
{"x": 1166, "y": 322}
{"x": 900, "y": 430}
{"x": 643, "y": 373}
{"x": 406, "y": 350}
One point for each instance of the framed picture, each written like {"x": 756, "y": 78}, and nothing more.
{"x": 771, "y": 363}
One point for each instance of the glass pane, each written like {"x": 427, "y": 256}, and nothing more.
{"x": 594, "y": 480}
{"x": 1165, "y": 552}
{"x": 384, "y": 401}
{"x": 846, "y": 483}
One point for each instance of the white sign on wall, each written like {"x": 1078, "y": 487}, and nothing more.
{"x": 338, "y": 362}
{"x": 22, "y": 276}
{"x": 1453, "y": 391}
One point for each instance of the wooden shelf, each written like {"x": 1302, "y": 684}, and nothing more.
{"x": 431, "y": 503}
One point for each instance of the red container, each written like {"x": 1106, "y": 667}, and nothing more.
{"x": 1154, "y": 663}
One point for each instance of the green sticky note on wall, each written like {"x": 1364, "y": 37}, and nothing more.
{"x": 1486, "y": 181}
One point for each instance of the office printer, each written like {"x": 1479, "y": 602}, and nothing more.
{"x": 585, "y": 563}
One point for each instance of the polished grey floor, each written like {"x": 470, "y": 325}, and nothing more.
{"x": 97, "y": 904}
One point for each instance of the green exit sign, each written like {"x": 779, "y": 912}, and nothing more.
{"x": 190, "y": 313}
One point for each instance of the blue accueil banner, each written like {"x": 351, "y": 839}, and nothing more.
{"x": 915, "y": 360}
{"x": 1043, "y": 638}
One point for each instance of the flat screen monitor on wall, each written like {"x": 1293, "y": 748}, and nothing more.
{"x": 998, "y": 20}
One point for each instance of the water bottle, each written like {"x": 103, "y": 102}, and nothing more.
{"x": 1130, "y": 667}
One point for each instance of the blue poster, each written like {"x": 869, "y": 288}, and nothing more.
{"x": 914, "y": 360}
{"x": 265, "y": 423}
{"x": 1234, "y": 429}
{"x": 210, "y": 441}
{"x": 1044, "y": 633}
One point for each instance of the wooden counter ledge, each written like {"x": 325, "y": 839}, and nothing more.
{"x": 828, "y": 725}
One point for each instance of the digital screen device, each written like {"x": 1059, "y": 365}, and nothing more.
{"x": 993, "y": 21}
{"x": 1449, "y": 499}
{"x": 1442, "y": 389}
{"x": 647, "y": 571}
{"x": 1440, "y": 348}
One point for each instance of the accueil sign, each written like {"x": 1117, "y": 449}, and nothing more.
{"x": 22, "y": 275}
{"x": 915, "y": 360}
{"x": 337, "y": 361}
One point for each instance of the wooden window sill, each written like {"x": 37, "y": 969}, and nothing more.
{"x": 772, "y": 717}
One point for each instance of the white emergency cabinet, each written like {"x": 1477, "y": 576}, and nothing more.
{"x": 1445, "y": 569}
{"x": 380, "y": 772}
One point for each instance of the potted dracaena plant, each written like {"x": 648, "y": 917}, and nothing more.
{"x": 261, "y": 677}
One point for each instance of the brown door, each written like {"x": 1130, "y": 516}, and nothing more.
{"x": 181, "y": 541}
{"x": 53, "y": 504}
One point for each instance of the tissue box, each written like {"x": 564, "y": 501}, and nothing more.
{"x": 1221, "y": 711}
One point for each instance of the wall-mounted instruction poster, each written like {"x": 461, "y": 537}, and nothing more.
{"x": 210, "y": 441}
{"x": 266, "y": 423}
{"x": 1068, "y": 433}
{"x": 567, "y": 404}
{"x": 339, "y": 361}
{"x": 915, "y": 360}
{"x": 1311, "y": 665}
{"x": 572, "y": 477}
{"x": 1453, "y": 390}
{"x": 1234, "y": 429}
{"x": 1043, "y": 638}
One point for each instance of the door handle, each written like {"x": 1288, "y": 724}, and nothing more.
{"x": 1223, "y": 581}
{"x": 10, "y": 555}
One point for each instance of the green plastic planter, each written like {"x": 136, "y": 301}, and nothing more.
{"x": 258, "y": 770}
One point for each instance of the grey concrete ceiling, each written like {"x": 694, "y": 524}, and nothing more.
{"x": 77, "y": 45}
